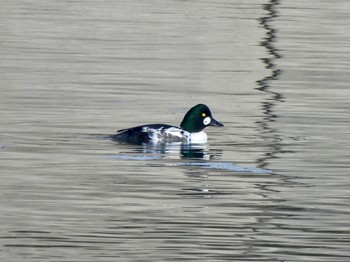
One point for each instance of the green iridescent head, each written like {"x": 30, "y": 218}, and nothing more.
{"x": 198, "y": 118}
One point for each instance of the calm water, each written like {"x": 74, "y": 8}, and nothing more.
{"x": 272, "y": 185}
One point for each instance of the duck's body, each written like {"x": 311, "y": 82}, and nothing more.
{"x": 158, "y": 133}
{"x": 190, "y": 132}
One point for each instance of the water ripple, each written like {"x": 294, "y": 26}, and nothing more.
{"x": 227, "y": 166}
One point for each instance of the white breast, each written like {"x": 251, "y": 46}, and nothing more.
{"x": 198, "y": 138}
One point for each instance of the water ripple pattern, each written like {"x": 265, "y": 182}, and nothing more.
{"x": 272, "y": 185}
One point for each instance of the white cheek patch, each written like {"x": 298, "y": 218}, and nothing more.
{"x": 207, "y": 121}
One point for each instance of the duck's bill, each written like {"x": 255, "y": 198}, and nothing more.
{"x": 213, "y": 122}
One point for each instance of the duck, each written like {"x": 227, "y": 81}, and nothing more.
{"x": 190, "y": 131}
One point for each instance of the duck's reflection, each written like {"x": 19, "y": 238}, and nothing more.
{"x": 181, "y": 151}
{"x": 169, "y": 151}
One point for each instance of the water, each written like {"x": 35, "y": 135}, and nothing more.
{"x": 272, "y": 185}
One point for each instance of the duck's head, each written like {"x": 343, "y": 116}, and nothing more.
{"x": 198, "y": 118}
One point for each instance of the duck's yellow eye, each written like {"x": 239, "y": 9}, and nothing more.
{"x": 204, "y": 114}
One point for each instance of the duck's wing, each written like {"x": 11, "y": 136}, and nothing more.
{"x": 138, "y": 134}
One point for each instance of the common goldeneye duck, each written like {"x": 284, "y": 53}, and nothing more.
{"x": 189, "y": 132}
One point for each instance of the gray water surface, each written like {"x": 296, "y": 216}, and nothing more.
{"x": 272, "y": 185}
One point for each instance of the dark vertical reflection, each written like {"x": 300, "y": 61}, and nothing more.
{"x": 273, "y": 97}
